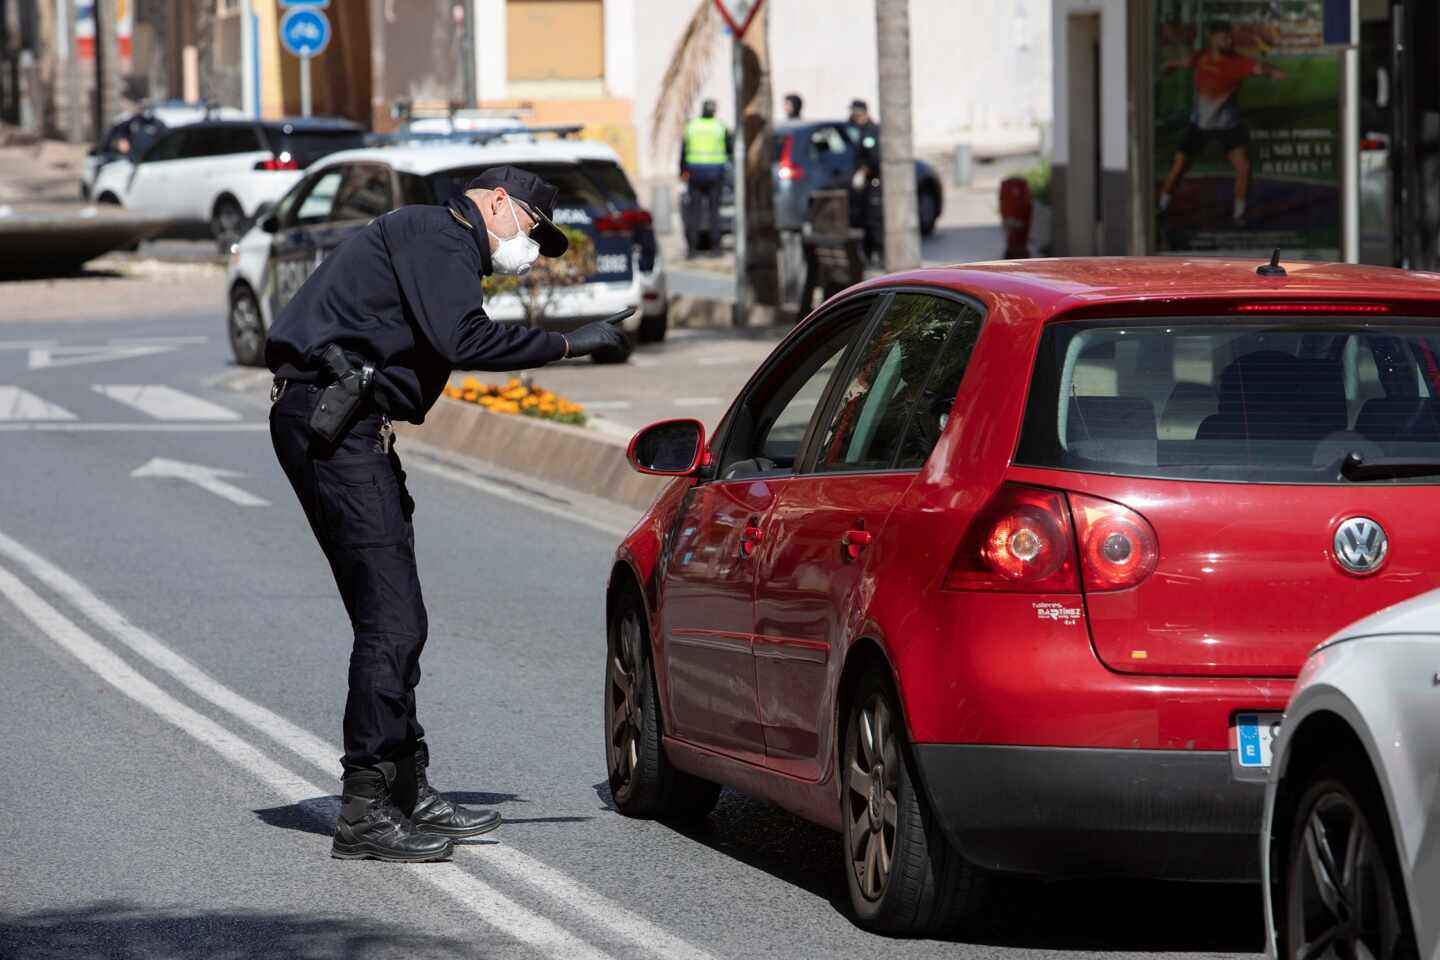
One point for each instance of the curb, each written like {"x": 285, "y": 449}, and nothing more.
{"x": 585, "y": 461}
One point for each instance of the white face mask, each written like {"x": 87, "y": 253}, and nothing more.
{"x": 515, "y": 254}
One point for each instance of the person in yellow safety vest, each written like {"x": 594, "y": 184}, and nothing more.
{"x": 703, "y": 157}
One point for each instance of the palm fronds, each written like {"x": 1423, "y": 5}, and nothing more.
{"x": 683, "y": 79}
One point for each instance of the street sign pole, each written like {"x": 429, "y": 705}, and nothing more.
{"x": 742, "y": 282}
{"x": 737, "y": 15}
{"x": 304, "y": 86}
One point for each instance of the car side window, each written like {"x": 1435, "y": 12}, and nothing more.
{"x": 195, "y": 142}
{"x": 894, "y": 382}
{"x": 365, "y": 193}
{"x": 766, "y": 431}
{"x": 414, "y": 189}
{"x": 316, "y": 203}
{"x": 166, "y": 148}
{"x": 227, "y": 140}
{"x": 828, "y": 141}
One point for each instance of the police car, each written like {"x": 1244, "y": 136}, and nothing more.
{"x": 343, "y": 192}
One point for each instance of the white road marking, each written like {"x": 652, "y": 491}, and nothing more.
{"x": 206, "y": 478}
{"x": 173, "y": 341}
{"x": 42, "y": 358}
{"x": 134, "y": 427}
{"x": 519, "y": 868}
{"x": 164, "y": 402}
{"x": 17, "y": 404}
{"x": 721, "y": 361}
{"x": 454, "y": 475}
{"x": 479, "y": 897}
{"x": 644, "y": 362}
{"x": 697, "y": 401}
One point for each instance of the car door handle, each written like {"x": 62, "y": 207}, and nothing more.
{"x": 855, "y": 541}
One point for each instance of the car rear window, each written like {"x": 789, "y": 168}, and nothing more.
{"x": 307, "y": 146}
{"x": 612, "y": 182}
{"x": 1280, "y": 402}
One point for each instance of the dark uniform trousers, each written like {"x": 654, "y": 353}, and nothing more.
{"x": 703, "y": 193}
{"x": 355, "y": 499}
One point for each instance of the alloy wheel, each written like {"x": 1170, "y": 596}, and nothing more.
{"x": 624, "y": 701}
{"x": 871, "y": 777}
{"x": 1341, "y": 904}
{"x": 247, "y": 331}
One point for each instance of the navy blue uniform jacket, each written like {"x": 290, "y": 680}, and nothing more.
{"x": 404, "y": 293}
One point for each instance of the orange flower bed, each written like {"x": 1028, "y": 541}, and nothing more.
{"x": 516, "y": 397}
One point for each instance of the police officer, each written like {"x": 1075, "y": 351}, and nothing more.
{"x": 702, "y": 166}
{"x": 864, "y": 133}
{"x": 402, "y": 301}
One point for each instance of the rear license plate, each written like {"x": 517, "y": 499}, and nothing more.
{"x": 1254, "y": 738}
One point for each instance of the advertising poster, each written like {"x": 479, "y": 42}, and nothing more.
{"x": 1247, "y": 129}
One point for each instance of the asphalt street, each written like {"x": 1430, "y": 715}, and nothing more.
{"x": 173, "y": 657}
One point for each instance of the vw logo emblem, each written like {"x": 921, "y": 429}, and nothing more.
{"x": 1361, "y": 545}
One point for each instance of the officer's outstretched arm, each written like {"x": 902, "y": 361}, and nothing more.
{"x": 440, "y": 277}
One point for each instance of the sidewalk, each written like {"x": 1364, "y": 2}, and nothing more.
{"x": 45, "y": 172}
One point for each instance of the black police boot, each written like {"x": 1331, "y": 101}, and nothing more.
{"x": 434, "y": 814}
{"x": 371, "y": 826}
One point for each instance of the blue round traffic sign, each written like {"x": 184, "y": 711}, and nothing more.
{"x": 305, "y": 32}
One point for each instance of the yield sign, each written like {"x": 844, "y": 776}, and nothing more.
{"x": 738, "y": 14}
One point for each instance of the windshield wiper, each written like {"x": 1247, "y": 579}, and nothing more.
{"x": 1356, "y": 468}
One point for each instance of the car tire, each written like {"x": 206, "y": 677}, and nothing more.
{"x": 928, "y": 207}
{"x": 1340, "y": 797}
{"x": 616, "y": 355}
{"x": 642, "y": 782}
{"x": 653, "y": 327}
{"x": 227, "y": 223}
{"x": 926, "y": 887}
{"x": 246, "y": 325}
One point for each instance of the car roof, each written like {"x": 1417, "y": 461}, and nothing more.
{"x": 1046, "y": 288}
{"x": 425, "y": 160}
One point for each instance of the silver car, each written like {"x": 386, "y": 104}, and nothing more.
{"x": 1350, "y": 850}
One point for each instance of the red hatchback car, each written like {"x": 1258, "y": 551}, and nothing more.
{"x": 1011, "y": 567}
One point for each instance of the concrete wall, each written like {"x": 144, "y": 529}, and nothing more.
{"x": 1113, "y": 132}
{"x": 981, "y": 67}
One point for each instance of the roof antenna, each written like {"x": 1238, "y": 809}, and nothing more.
{"x": 1273, "y": 268}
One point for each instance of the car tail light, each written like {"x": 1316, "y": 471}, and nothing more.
{"x": 1272, "y": 307}
{"x": 623, "y": 222}
{"x": 1020, "y": 542}
{"x": 280, "y": 162}
{"x": 789, "y": 169}
{"x": 1118, "y": 547}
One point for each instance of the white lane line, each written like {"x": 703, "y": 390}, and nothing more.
{"x": 17, "y": 404}
{"x": 145, "y": 341}
{"x": 518, "y": 867}
{"x": 42, "y": 358}
{"x": 133, "y": 427}
{"x": 425, "y": 465}
{"x": 697, "y": 401}
{"x": 721, "y": 361}
{"x": 164, "y": 402}
{"x": 481, "y": 899}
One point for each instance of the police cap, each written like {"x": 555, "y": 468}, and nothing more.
{"x": 538, "y": 196}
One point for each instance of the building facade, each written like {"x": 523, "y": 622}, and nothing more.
{"x": 1239, "y": 126}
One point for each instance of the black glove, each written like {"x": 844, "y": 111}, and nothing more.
{"x": 597, "y": 335}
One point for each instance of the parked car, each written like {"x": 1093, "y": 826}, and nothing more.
{"x": 1352, "y": 815}
{"x": 341, "y": 194}
{"x": 134, "y": 132}
{"x": 219, "y": 172}
{"x": 1002, "y": 568}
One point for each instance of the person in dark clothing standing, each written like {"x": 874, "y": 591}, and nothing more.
{"x": 864, "y": 134}
{"x": 703, "y": 155}
{"x": 402, "y": 302}
{"x": 793, "y": 106}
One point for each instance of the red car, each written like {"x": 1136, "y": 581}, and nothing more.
{"x": 1011, "y": 567}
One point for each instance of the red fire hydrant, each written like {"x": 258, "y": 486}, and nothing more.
{"x": 1016, "y": 210}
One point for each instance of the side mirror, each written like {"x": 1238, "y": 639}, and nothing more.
{"x": 270, "y": 224}
{"x": 670, "y": 448}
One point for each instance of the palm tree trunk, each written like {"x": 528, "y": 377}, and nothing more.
{"x": 761, "y": 248}
{"x": 897, "y": 145}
